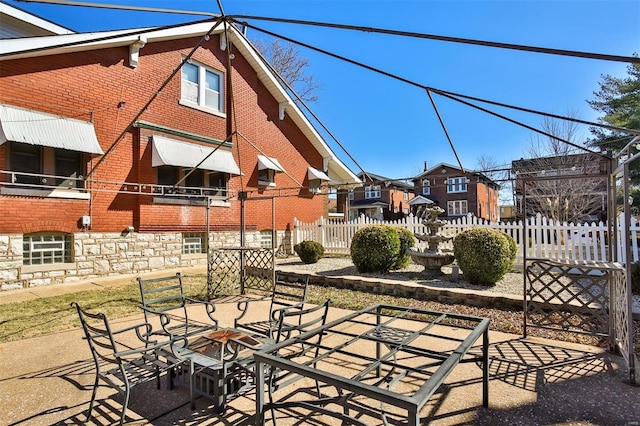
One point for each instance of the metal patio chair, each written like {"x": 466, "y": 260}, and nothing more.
{"x": 290, "y": 322}
{"x": 289, "y": 290}
{"x": 118, "y": 362}
{"x": 164, "y": 297}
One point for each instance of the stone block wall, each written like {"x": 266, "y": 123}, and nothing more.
{"x": 99, "y": 254}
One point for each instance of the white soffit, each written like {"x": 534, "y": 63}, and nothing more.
{"x": 270, "y": 163}
{"x": 171, "y": 152}
{"x": 317, "y": 174}
{"x": 42, "y": 129}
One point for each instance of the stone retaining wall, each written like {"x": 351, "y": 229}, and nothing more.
{"x": 99, "y": 254}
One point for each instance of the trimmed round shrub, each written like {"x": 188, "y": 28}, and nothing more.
{"x": 484, "y": 255}
{"x": 375, "y": 248}
{"x": 407, "y": 240}
{"x": 309, "y": 251}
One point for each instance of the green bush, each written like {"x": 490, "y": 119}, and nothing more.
{"x": 484, "y": 255}
{"x": 406, "y": 240}
{"x": 309, "y": 251}
{"x": 635, "y": 278}
{"x": 375, "y": 248}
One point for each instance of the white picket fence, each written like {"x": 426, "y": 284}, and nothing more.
{"x": 547, "y": 239}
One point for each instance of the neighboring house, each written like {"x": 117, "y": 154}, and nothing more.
{"x": 571, "y": 187}
{"x": 458, "y": 193}
{"x": 109, "y": 166}
{"x": 379, "y": 198}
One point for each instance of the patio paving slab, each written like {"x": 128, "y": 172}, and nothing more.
{"x": 48, "y": 380}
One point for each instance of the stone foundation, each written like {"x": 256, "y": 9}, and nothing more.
{"x": 99, "y": 254}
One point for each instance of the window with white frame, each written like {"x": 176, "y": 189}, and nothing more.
{"x": 457, "y": 208}
{"x": 351, "y": 195}
{"x": 426, "y": 187}
{"x": 405, "y": 196}
{"x": 202, "y": 87}
{"x": 457, "y": 184}
{"x": 266, "y": 239}
{"x": 194, "y": 242}
{"x": 372, "y": 191}
{"x": 45, "y": 249}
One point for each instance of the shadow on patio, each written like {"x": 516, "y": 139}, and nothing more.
{"x": 48, "y": 380}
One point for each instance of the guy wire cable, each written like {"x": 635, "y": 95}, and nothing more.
{"x": 535, "y": 49}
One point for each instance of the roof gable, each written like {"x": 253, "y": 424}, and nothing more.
{"x": 80, "y": 42}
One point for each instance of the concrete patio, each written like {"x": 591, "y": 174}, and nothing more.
{"x": 48, "y": 380}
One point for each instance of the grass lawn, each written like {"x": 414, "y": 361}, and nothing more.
{"x": 47, "y": 315}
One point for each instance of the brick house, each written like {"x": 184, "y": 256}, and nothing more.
{"x": 109, "y": 164}
{"x": 458, "y": 192}
{"x": 379, "y": 198}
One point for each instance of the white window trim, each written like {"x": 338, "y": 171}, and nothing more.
{"x": 457, "y": 182}
{"x": 372, "y": 192}
{"x": 458, "y": 204}
{"x": 426, "y": 189}
{"x": 71, "y": 194}
{"x": 197, "y": 105}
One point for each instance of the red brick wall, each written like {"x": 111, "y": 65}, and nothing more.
{"x": 99, "y": 85}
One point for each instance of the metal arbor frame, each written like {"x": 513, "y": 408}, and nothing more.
{"x": 584, "y": 296}
{"x": 236, "y": 269}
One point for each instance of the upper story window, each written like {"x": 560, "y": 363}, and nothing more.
{"x": 267, "y": 169}
{"x": 426, "y": 187}
{"x": 458, "y": 184}
{"x": 44, "y": 249}
{"x": 351, "y": 195}
{"x": 405, "y": 195}
{"x": 202, "y": 87}
{"x": 372, "y": 191}
{"x": 457, "y": 208}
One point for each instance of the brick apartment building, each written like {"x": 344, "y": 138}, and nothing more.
{"x": 109, "y": 165}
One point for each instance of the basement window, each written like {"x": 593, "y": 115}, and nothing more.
{"x": 43, "y": 249}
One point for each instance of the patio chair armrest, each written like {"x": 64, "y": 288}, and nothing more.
{"x": 142, "y": 330}
{"x": 209, "y": 306}
{"x": 239, "y": 346}
{"x": 243, "y": 308}
{"x": 165, "y": 319}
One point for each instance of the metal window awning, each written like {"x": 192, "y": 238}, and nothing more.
{"x": 317, "y": 174}
{"x": 42, "y": 129}
{"x": 171, "y": 152}
{"x": 270, "y": 163}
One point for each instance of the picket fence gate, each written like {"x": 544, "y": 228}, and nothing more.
{"x": 547, "y": 238}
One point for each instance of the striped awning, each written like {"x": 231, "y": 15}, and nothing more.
{"x": 270, "y": 163}
{"x": 42, "y": 129}
{"x": 171, "y": 152}
{"x": 317, "y": 174}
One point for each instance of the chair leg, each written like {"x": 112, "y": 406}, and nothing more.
{"x": 125, "y": 403}
{"x": 93, "y": 398}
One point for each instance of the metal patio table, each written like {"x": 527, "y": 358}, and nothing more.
{"x": 389, "y": 355}
{"x": 210, "y": 357}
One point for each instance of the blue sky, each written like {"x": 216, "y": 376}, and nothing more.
{"x": 389, "y": 126}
